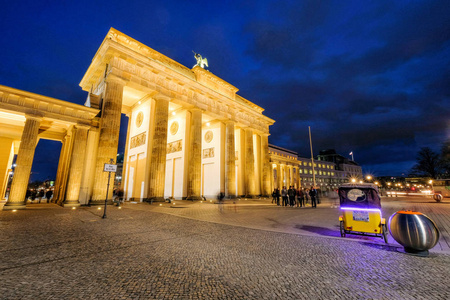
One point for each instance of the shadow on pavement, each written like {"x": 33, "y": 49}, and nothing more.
{"x": 385, "y": 247}
{"x": 319, "y": 230}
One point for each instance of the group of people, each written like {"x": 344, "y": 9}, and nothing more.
{"x": 295, "y": 197}
{"x": 33, "y": 194}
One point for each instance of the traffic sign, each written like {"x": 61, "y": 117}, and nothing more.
{"x": 110, "y": 168}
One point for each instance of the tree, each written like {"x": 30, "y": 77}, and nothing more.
{"x": 445, "y": 158}
{"x": 428, "y": 163}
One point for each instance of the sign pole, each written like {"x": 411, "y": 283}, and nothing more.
{"x": 107, "y": 189}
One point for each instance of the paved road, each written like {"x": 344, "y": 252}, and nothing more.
{"x": 190, "y": 251}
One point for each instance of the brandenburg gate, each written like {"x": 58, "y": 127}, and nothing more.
{"x": 189, "y": 136}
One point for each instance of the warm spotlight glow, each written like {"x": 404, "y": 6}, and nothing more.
{"x": 139, "y": 102}
{"x": 160, "y": 204}
{"x": 174, "y": 113}
{"x": 14, "y": 210}
{"x": 74, "y": 207}
{"x": 207, "y": 124}
{"x": 368, "y": 177}
{"x": 99, "y": 208}
{"x": 430, "y": 182}
{"x": 376, "y": 182}
{"x": 120, "y": 207}
{"x": 353, "y": 180}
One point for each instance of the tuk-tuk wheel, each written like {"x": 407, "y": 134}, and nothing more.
{"x": 341, "y": 227}
{"x": 385, "y": 233}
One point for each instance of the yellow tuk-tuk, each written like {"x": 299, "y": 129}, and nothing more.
{"x": 361, "y": 211}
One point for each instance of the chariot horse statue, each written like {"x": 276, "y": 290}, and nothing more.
{"x": 201, "y": 62}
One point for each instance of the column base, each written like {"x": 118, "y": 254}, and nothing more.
{"x": 72, "y": 203}
{"x": 155, "y": 199}
{"x": 14, "y": 205}
{"x": 231, "y": 197}
{"x": 251, "y": 196}
{"x": 194, "y": 198}
{"x": 100, "y": 202}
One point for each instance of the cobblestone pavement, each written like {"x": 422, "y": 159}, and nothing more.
{"x": 150, "y": 252}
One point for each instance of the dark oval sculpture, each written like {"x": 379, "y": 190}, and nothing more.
{"x": 414, "y": 231}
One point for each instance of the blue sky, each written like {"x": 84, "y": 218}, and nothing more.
{"x": 372, "y": 77}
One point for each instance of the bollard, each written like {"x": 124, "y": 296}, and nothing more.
{"x": 416, "y": 232}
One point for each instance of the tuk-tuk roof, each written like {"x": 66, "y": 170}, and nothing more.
{"x": 359, "y": 185}
{"x": 361, "y": 195}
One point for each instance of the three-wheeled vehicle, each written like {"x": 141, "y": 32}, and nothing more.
{"x": 361, "y": 211}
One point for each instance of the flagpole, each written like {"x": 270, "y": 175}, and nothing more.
{"x": 312, "y": 157}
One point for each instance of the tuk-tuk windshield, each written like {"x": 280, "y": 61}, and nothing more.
{"x": 359, "y": 197}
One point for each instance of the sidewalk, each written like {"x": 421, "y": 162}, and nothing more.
{"x": 321, "y": 221}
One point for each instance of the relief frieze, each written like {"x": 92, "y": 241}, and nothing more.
{"x": 138, "y": 140}
{"x": 174, "y": 146}
{"x": 208, "y": 152}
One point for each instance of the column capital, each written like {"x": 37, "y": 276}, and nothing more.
{"x": 114, "y": 78}
{"x": 31, "y": 116}
{"x": 160, "y": 97}
{"x": 196, "y": 109}
{"x": 82, "y": 126}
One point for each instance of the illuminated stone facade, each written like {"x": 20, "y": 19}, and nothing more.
{"x": 189, "y": 134}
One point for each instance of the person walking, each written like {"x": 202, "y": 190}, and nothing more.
{"x": 48, "y": 195}
{"x": 274, "y": 196}
{"x": 300, "y": 198}
{"x": 291, "y": 194}
{"x": 278, "y": 195}
{"x": 313, "y": 195}
{"x": 284, "y": 194}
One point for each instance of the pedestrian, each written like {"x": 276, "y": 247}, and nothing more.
{"x": 306, "y": 192}
{"x": 274, "y": 196}
{"x": 48, "y": 195}
{"x": 300, "y": 198}
{"x": 41, "y": 195}
{"x": 284, "y": 194}
{"x": 291, "y": 194}
{"x": 278, "y": 196}
{"x": 313, "y": 195}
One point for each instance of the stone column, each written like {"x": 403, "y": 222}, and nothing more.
{"x": 287, "y": 176}
{"x": 195, "y": 156}
{"x": 6, "y": 158}
{"x": 76, "y": 166}
{"x": 159, "y": 150}
{"x": 279, "y": 177}
{"x": 59, "y": 171}
{"x": 249, "y": 164}
{"x": 230, "y": 161}
{"x": 267, "y": 168}
{"x": 109, "y": 137}
{"x": 24, "y": 162}
{"x": 62, "y": 185}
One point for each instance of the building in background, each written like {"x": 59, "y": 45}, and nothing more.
{"x": 330, "y": 169}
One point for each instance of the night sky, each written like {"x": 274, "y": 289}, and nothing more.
{"x": 372, "y": 77}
